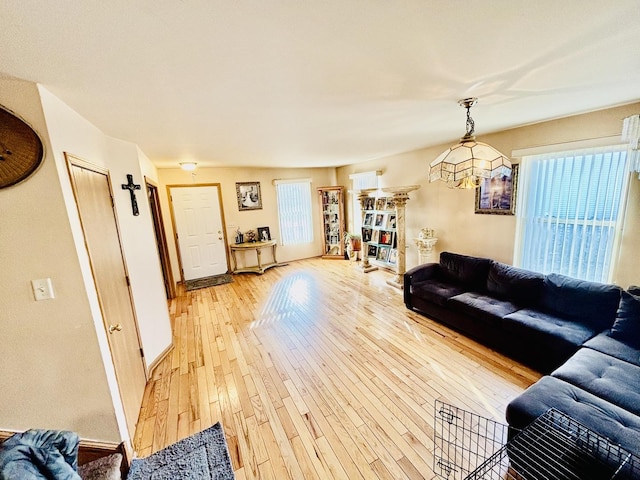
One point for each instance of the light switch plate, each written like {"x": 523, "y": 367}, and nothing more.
{"x": 42, "y": 289}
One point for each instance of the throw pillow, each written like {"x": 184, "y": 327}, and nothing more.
{"x": 626, "y": 328}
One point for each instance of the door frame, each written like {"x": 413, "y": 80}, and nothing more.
{"x": 161, "y": 236}
{"x": 173, "y": 221}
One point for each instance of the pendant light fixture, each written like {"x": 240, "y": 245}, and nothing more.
{"x": 468, "y": 161}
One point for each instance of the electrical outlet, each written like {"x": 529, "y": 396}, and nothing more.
{"x": 42, "y": 289}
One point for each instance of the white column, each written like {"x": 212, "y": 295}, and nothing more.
{"x": 400, "y": 197}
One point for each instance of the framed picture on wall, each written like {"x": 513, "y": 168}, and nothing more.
{"x": 249, "y": 196}
{"x": 497, "y": 196}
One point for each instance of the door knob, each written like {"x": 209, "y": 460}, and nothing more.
{"x": 114, "y": 328}
{"x": 219, "y": 238}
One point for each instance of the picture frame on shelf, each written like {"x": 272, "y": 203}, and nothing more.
{"x": 381, "y": 203}
{"x": 393, "y": 256}
{"x": 379, "y": 220}
{"x": 366, "y": 234}
{"x": 372, "y": 251}
{"x": 391, "y": 204}
{"x": 369, "y": 203}
{"x": 368, "y": 219}
{"x": 264, "y": 235}
{"x": 497, "y": 196}
{"x": 375, "y": 236}
{"x": 249, "y": 196}
{"x": 391, "y": 221}
{"x": 386, "y": 237}
{"x": 383, "y": 254}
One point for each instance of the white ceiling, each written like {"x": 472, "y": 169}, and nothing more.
{"x": 322, "y": 82}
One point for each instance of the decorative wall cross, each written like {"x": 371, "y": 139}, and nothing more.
{"x": 132, "y": 187}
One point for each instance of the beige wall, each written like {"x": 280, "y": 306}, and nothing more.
{"x": 451, "y": 212}
{"x": 51, "y": 369}
{"x": 55, "y": 365}
{"x": 249, "y": 219}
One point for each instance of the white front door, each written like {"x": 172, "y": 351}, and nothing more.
{"x": 198, "y": 223}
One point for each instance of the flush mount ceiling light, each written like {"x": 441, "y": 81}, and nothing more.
{"x": 188, "y": 166}
{"x": 468, "y": 161}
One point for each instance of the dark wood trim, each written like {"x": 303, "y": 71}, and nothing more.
{"x": 161, "y": 238}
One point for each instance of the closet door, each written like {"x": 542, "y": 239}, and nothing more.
{"x": 92, "y": 189}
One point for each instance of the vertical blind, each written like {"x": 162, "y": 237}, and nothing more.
{"x": 294, "y": 211}
{"x": 572, "y": 211}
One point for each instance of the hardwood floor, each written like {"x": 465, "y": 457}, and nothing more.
{"x": 317, "y": 370}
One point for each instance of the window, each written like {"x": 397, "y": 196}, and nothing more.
{"x": 571, "y": 211}
{"x": 361, "y": 181}
{"x": 294, "y": 211}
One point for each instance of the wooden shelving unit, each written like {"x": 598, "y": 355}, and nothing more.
{"x": 332, "y": 217}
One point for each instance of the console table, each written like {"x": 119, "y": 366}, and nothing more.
{"x": 258, "y": 247}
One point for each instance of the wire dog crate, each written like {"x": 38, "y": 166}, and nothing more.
{"x": 553, "y": 447}
{"x": 463, "y": 440}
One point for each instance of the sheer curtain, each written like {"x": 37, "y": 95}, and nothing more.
{"x": 570, "y": 211}
{"x": 294, "y": 211}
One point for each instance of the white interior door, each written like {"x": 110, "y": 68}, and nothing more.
{"x": 198, "y": 222}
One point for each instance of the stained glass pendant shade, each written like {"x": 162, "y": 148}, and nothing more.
{"x": 468, "y": 161}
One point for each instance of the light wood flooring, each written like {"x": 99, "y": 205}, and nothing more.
{"x": 317, "y": 371}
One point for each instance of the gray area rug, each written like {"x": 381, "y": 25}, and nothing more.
{"x": 207, "y": 282}
{"x": 202, "y": 456}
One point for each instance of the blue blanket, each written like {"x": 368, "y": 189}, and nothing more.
{"x": 40, "y": 454}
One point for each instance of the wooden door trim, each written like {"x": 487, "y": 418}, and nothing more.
{"x": 71, "y": 161}
{"x": 161, "y": 237}
{"x": 173, "y": 221}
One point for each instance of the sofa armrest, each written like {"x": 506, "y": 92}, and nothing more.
{"x": 418, "y": 274}
{"x": 422, "y": 272}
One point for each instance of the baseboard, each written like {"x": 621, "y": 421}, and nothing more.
{"x": 90, "y": 450}
{"x": 159, "y": 358}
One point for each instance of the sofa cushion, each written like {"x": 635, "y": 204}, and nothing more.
{"x": 482, "y": 307}
{"x": 556, "y": 336}
{"x": 522, "y": 286}
{"x": 626, "y": 327}
{"x": 606, "y": 344}
{"x": 605, "y": 376}
{"x": 611, "y": 421}
{"x": 464, "y": 270}
{"x": 435, "y": 291}
{"x": 585, "y": 302}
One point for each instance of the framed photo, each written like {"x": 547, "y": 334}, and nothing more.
{"x": 369, "y": 203}
{"x": 375, "y": 236}
{"x": 391, "y": 221}
{"x": 381, "y": 203}
{"x": 391, "y": 204}
{"x": 386, "y": 237}
{"x": 372, "y": 251}
{"x": 497, "y": 196}
{"x": 379, "y": 220}
{"x": 393, "y": 256}
{"x": 263, "y": 234}
{"x": 383, "y": 254}
{"x": 368, "y": 219}
{"x": 366, "y": 234}
{"x": 249, "y": 196}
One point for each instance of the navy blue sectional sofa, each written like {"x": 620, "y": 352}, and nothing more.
{"x": 584, "y": 336}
